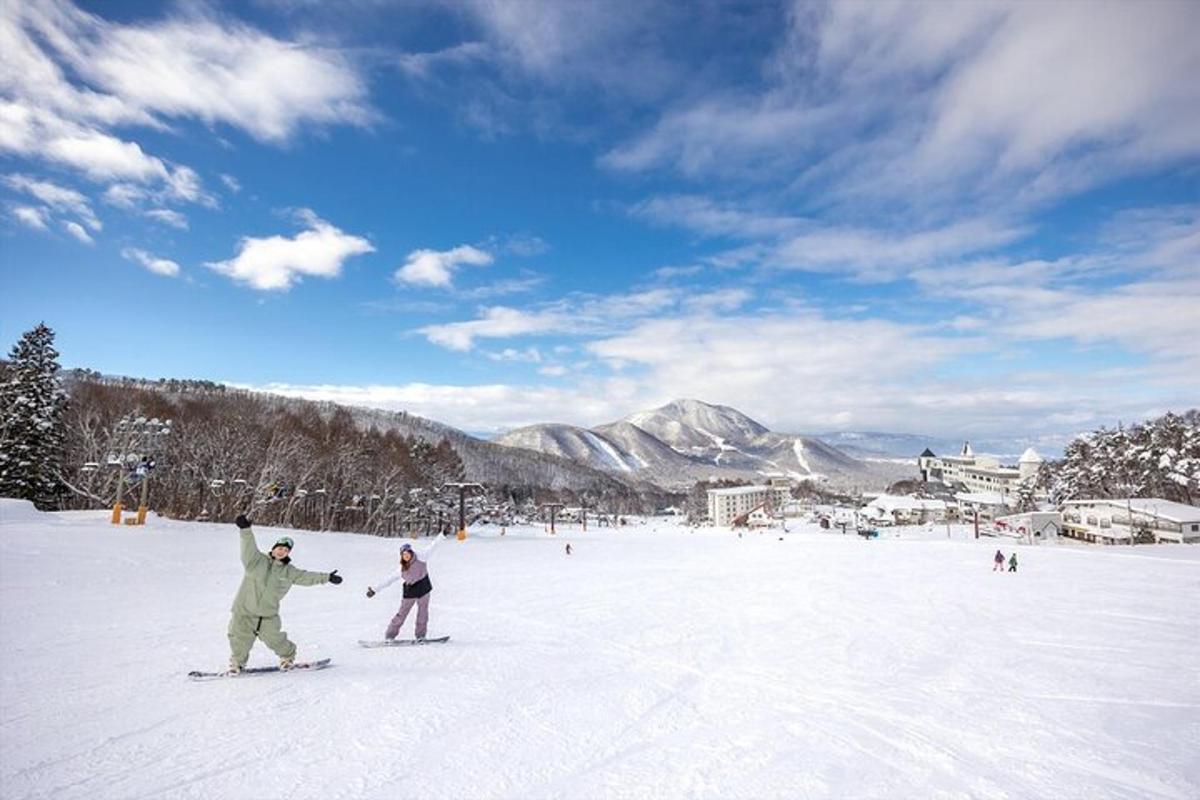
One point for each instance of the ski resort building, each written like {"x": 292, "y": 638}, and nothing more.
{"x": 889, "y": 509}
{"x": 1123, "y": 521}
{"x": 761, "y": 516}
{"x": 987, "y": 505}
{"x": 724, "y": 505}
{"x": 978, "y": 473}
{"x": 1029, "y": 526}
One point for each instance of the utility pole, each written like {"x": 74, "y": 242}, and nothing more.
{"x": 554, "y": 507}
{"x": 462, "y": 506}
{"x": 583, "y": 509}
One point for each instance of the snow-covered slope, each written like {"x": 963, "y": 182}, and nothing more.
{"x": 567, "y": 441}
{"x": 891, "y": 668}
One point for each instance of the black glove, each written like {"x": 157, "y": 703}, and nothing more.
{"x": 334, "y": 578}
{"x": 370, "y": 592}
{"x": 241, "y": 521}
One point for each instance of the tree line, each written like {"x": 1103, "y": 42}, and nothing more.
{"x": 201, "y": 451}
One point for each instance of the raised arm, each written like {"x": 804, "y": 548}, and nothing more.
{"x": 250, "y": 552}
{"x": 429, "y": 548}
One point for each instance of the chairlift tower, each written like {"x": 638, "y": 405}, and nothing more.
{"x": 554, "y": 507}
{"x": 462, "y": 505}
{"x": 138, "y": 441}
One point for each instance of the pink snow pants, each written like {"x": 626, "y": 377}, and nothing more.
{"x": 422, "y": 604}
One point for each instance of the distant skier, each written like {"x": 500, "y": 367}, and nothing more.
{"x": 568, "y": 548}
{"x": 1012, "y": 562}
{"x": 256, "y": 607}
{"x": 415, "y": 574}
{"x": 999, "y": 562}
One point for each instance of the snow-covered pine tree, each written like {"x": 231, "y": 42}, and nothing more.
{"x": 31, "y": 412}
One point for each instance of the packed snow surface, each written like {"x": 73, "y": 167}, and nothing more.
{"x": 652, "y": 663}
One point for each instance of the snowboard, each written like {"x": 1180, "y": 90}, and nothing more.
{"x": 404, "y": 642}
{"x": 299, "y": 666}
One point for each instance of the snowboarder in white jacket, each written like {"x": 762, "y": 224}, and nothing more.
{"x": 417, "y": 587}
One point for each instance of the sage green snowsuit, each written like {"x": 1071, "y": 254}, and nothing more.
{"x": 256, "y": 607}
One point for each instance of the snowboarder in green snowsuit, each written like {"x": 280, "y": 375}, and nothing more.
{"x": 256, "y": 607}
{"x": 1012, "y": 563}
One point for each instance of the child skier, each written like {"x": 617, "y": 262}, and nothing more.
{"x": 999, "y": 562}
{"x": 256, "y": 607}
{"x": 1012, "y": 562}
{"x": 415, "y": 574}
{"x": 568, "y": 548}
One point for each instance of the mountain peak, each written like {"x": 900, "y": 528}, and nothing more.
{"x": 687, "y": 424}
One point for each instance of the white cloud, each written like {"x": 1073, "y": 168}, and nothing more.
{"x": 69, "y": 79}
{"x": 34, "y": 216}
{"x": 231, "y": 183}
{"x": 497, "y": 322}
{"x": 168, "y": 216}
{"x": 816, "y": 374}
{"x": 159, "y": 266}
{"x": 274, "y": 263}
{"x": 920, "y": 104}
{"x": 195, "y": 66}
{"x": 78, "y": 231}
{"x": 486, "y": 408}
{"x": 508, "y": 286}
{"x": 576, "y": 315}
{"x": 59, "y": 198}
{"x": 530, "y": 355}
{"x": 436, "y": 268}
{"x": 792, "y": 242}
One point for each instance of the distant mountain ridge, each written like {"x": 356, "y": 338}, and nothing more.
{"x": 685, "y": 440}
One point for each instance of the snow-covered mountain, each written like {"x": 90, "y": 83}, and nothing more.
{"x": 578, "y": 444}
{"x": 689, "y": 440}
{"x": 696, "y": 427}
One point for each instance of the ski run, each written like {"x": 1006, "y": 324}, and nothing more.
{"x": 653, "y": 662}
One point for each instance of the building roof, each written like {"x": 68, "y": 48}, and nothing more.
{"x": 1152, "y": 506}
{"x": 891, "y": 502}
{"x": 967, "y": 452}
{"x": 1030, "y": 456}
{"x": 981, "y": 498}
{"x": 927, "y": 454}
{"x": 736, "y": 490}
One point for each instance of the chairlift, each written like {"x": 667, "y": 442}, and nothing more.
{"x": 302, "y": 493}
{"x": 216, "y": 483}
{"x": 240, "y": 481}
{"x": 90, "y": 466}
{"x": 113, "y": 461}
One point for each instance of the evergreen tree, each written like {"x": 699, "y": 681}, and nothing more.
{"x": 31, "y": 412}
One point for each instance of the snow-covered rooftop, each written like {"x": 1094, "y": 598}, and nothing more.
{"x": 738, "y": 490}
{"x": 981, "y": 498}
{"x": 1030, "y": 456}
{"x": 891, "y": 502}
{"x": 1154, "y": 506}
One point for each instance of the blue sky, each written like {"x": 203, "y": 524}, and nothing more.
{"x": 955, "y": 219}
